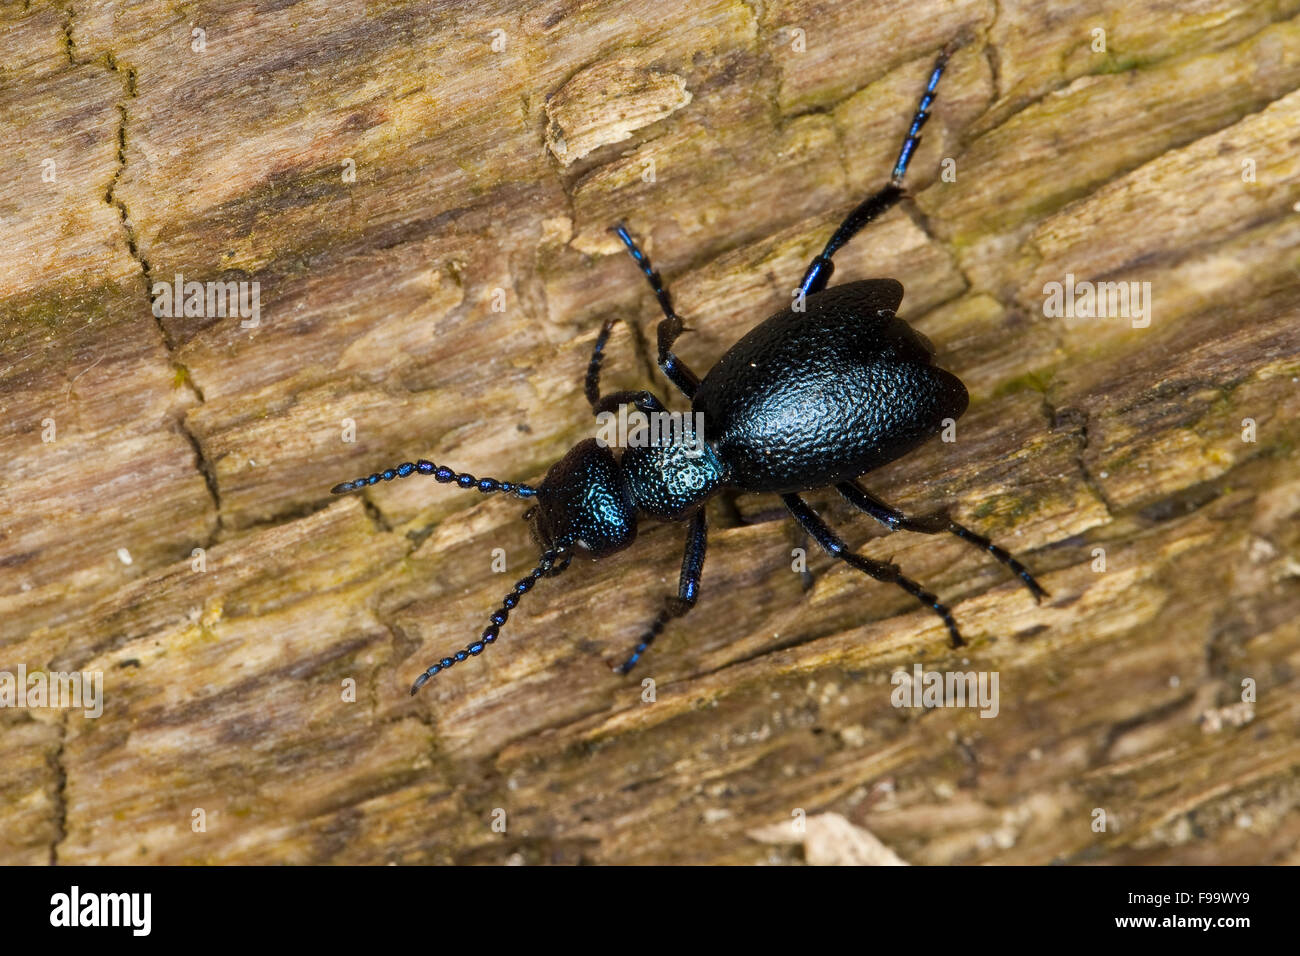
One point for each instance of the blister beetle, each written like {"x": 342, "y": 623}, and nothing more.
{"x": 817, "y": 395}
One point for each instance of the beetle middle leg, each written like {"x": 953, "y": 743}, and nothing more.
{"x": 871, "y": 208}
{"x": 688, "y": 589}
{"x": 895, "y": 520}
{"x": 670, "y": 326}
{"x": 880, "y": 570}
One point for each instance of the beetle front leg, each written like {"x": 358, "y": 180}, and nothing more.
{"x": 646, "y": 402}
{"x": 688, "y": 589}
{"x": 591, "y": 386}
{"x": 670, "y": 326}
{"x": 880, "y": 570}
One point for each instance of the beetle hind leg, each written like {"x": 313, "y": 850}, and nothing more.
{"x": 913, "y": 138}
{"x": 895, "y": 520}
{"x": 880, "y": 570}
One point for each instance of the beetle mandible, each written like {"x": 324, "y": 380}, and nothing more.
{"x": 812, "y": 397}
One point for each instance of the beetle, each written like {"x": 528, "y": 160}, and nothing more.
{"x": 820, "y": 393}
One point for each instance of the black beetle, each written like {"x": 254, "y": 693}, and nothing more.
{"x": 817, "y": 395}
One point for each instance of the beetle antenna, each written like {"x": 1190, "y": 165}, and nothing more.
{"x": 440, "y": 473}
{"x": 551, "y": 564}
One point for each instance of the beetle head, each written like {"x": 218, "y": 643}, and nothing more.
{"x": 583, "y": 504}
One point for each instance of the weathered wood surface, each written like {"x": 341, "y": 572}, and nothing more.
{"x": 479, "y": 170}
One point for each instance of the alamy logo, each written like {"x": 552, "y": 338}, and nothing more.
{"x": 84, "y": 689}
{"x": 210, "y": 300}
{"x": 637, "y": 429}
{"x": 1098, "y": 300}
{"x": 102, "y": 909}
{"x": 923, "y": 688}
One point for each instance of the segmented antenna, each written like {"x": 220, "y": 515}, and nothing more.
{"x": 440, "y": 473}
{"x": 547, "y": 567}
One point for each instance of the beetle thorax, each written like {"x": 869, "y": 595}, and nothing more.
{"x": 670, "y": 476}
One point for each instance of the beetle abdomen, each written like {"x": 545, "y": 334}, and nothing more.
{"x": 811, "y": 398}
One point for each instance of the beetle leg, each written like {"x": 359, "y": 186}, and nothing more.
{"x": 670, "y": 326}
{"x": 895, "y": 520}
{"x": 592, "y": 384}
{"x": 688, "y": 589}
{"x": 644, "y": 401}
{"x": 880, "y": 570}
{"x": 820, "y": 269}
{"x": 922, "y": 114}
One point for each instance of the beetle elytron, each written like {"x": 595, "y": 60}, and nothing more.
{"x": 811, "y": 397}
